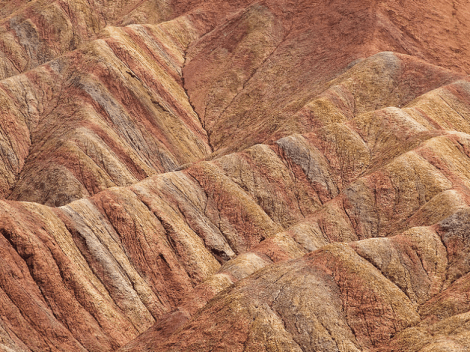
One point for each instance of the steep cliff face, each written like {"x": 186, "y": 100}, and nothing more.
{"x": 234, "y": 176}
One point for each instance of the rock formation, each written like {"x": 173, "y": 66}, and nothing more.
{"x": 234, "y": 175}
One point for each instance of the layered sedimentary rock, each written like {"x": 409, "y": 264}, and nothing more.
{"x": 109, "y": 114}
{"x": 239, "y": 176}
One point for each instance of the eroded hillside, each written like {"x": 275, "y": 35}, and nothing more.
{"x": 234, "y": 176}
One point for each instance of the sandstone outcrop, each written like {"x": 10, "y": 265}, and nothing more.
{"x": 234, "y": 176}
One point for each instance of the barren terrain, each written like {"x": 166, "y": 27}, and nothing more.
{"x": 235, "y": 175}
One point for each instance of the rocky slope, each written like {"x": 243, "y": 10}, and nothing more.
{"x": 234, "y": 176}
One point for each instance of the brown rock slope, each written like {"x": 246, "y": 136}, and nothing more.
{"x": 111, "y": 113}
{"x": 234, "y": 176}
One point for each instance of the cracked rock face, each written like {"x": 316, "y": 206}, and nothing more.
{"x": 234, "y": 175}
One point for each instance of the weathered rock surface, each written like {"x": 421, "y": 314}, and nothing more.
{"x": 234, "y": 176}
